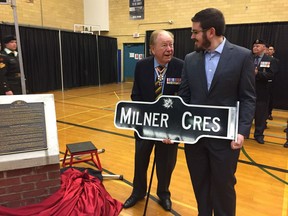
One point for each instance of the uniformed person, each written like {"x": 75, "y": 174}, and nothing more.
{"x": 264, "y": 71}
{"x": 271, "y": 82}
{"x": 11, "y": 83}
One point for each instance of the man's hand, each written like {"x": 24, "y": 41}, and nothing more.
{"x": 239, "y": 143}
{"x": 167, "y": 141}
{"x": 9, "y": 93}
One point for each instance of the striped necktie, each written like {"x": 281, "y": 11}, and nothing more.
{"x": 159, "y": 82}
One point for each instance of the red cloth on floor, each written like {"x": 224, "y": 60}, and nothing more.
{"x": 80, "y": 194}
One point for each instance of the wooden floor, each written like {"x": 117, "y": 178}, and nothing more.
{"x": 87, "y": 114}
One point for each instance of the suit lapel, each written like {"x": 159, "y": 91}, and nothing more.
{"x": 169, "y": 69}
{"x": 224, "y": 58}
{"x": 201, "y": 68}
{"x": 151, "y": 75}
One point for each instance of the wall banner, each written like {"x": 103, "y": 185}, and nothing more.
{"x": 136, "y": 9}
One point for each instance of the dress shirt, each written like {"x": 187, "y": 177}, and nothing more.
{"x": 211, "y": 61}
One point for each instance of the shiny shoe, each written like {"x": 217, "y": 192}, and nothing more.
{"x": 131, "y": 201}
{"x": 166, "y": 204}
{"x": 260, "y": 140}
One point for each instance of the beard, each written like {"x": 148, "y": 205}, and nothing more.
{"x": 205, "y": 44}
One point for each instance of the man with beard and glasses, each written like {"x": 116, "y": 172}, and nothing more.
{"x": 218, "y": 73}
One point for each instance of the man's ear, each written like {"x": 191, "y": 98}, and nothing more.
{"x": 211, "y": 32}
{"x": 152, "y": 50}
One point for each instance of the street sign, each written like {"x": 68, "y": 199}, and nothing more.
{"x": 170, "y": 118}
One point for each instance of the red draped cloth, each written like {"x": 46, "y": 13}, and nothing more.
{"x": 80, "y": 194}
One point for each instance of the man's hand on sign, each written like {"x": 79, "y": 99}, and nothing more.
{"x": 239, "y": 143}
{"x": 167, "y": 141}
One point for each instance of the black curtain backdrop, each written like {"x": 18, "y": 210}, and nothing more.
{"x": 41, "y": 59}
{"x": 107, "y": 59}
{"x": 244, "y": 34}
{"x": 79, "y": 55}
{"x": 83, "y": 60}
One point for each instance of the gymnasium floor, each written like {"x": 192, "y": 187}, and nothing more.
{"x": 87, "y": 114}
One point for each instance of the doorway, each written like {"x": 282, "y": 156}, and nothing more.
{"x": 133, "y": 52}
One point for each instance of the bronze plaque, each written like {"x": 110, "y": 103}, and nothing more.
{"x": 22, "y": 127}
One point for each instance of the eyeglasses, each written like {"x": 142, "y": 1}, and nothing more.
{"x": 195, "y": 32}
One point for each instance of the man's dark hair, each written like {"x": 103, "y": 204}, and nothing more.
{"x": 211, "y": 17}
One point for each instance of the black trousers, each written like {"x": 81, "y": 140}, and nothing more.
{"x": 165, "y": 156}
{"x": 212, "y": 165}
{"x": 15, "y": 85}
{"x": 270, "y": 103}
{"x": 261, "y": 115}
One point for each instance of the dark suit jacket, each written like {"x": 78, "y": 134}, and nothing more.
{"x": 276, "y": 66}
{"x": 233, "y": 81}
{"x": 264, "y": 74}
{"x": 144, "y": 79}
{"x": 12, "y": 64}
{"x": 12, "y": 80}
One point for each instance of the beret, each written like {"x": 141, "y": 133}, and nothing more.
{"x": 8, "y": 38}
{"x": 259, "y": 41}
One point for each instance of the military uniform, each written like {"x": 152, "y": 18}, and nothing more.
{"x": 3, "y": 70}
{"x": 264, "y": 69}
{"x": 12, "y": 78}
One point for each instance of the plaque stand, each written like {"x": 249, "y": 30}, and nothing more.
{"x": 29, "y": 160}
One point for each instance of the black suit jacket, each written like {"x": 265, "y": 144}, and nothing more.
{"x": 12, "y": 64}
{"x": 276, "y": 66}
{"x": 144, "y": 79}
{"x": 233, "y": 81}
